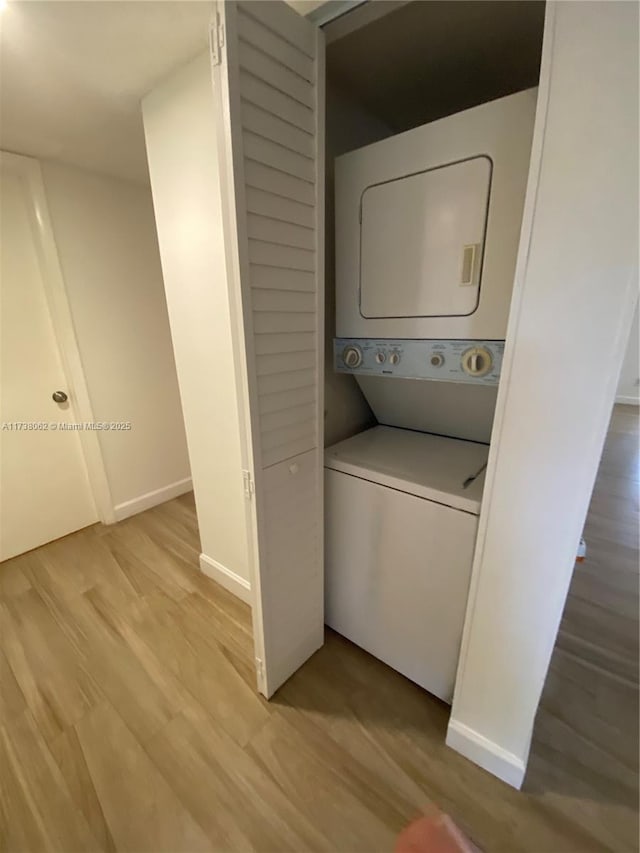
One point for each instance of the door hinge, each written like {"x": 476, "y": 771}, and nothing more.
{"x": 260, "y": 668}
{"x": 247, "y": 481}
{"x": 216, "y": 39}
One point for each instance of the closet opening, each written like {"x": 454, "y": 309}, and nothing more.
{"x": 429, "y": 112}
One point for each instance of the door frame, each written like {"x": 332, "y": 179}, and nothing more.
{"x": 29, "y": 170}
{"x": 506, "y": 650}
{"x": 234, "y": 230}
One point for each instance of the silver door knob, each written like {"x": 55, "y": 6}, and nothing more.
{"x": 59, "y": 397}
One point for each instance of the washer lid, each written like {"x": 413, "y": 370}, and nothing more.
{"x": 429, "y": 466}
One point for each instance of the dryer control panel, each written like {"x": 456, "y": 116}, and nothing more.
{"x": 477, "y": 362}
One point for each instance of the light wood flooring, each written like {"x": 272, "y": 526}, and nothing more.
{"x": 130, "y": 720}
{"x": 585, "y": 744}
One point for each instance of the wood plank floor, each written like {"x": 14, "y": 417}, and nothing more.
{"x": 585, "y": 744}
{"x": 129, "y": 718}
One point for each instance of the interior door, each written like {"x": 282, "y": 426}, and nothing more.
{"x": 268, "y": 72}
{"x": 44, "y": 488}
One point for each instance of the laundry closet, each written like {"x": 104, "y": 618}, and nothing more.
{"x": 390, "y": 344}
{"x": 374, "y": 368}
{"x": 427, "y": 228}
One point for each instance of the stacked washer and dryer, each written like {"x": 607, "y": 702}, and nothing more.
{"x": 427, "y": 232}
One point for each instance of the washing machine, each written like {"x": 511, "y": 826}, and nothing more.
{"x": 402, "y": 512}
{"x": 427, "y": 232}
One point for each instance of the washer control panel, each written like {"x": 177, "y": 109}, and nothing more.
{"x": 477, "y": 362}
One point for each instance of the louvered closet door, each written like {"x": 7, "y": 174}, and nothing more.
{"x": 268, "y": 71}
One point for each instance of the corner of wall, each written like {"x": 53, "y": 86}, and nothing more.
{"x": 233, "y": 583}
{"x": 486, "y": 754}
{"x": 180, "y": 130}
{"x": 151, "y": 499}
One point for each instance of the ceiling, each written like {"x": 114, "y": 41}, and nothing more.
{"x": 424, "y": 60}
{"x": 73, "y": 73}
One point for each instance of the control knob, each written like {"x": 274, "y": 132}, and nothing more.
{"x": 477, "y": 361}
{"x": 352, "y": 356}
{"x": 394, "y": 358}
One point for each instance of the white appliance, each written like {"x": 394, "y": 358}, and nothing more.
{"x": 428, "y": 225}
{"x": 427, "y": 231}
{"x": 401, "y": 513}
{"x": 440, "y": 406}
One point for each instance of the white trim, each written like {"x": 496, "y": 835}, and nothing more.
{"x": 470, "y": 704}
{"x": 230, "y": 164}
{"x": 488, "y": 755}
{"x": 240, "y": 587}
{"x": 151, "y": 499}
{"x": 62, "y": 321}
{"x": 628, "y": 401}
{"x": 330, "y": 10}
{"x": 321, "y": 76}
{"x": 340, "y": 18}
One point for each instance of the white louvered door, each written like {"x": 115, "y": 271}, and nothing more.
{"x": 268, "y": 73}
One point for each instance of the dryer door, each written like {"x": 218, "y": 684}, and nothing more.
{"x": 421, "y": 241}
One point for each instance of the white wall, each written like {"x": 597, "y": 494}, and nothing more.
{"x": 349, "y": 126}
{"x": 182, "y": 152}
{"x": 629, "y": 381}
{"x": 573, "y": 302}
{"x": 105, "y": 236}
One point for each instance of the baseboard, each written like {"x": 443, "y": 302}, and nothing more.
{"x": 151, "y": 499}
{"x": 628, "y": 401}
{"x": 488, "y": 755}
{"x": 225, "y": 577}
